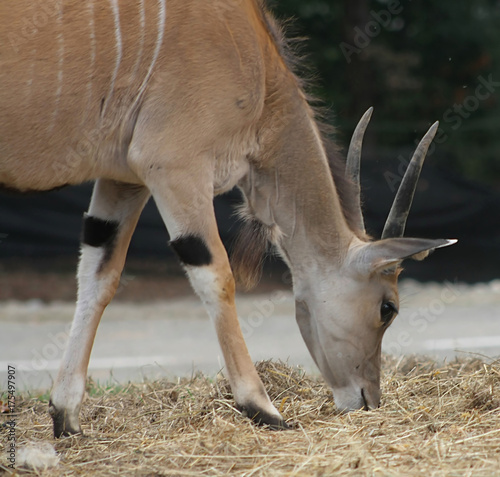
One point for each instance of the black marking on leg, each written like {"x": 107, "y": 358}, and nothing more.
{"x": 100, "y": 233}
{"x": 192, "y": 250}
{"x": 263, "y": 418}
{"x": 61, "y": 427}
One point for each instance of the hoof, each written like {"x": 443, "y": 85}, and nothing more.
{"x": 62, "y": 427}
{"x": 263, "y": 418}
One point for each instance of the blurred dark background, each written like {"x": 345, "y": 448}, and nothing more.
{"x": 415, "y": 62}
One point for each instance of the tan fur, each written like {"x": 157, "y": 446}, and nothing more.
{"x": 219, "y": 85}
{"x": 59, "y": 107}
{"x": 183, "y": 100}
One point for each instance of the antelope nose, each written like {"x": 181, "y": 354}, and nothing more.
{"x": 370, "y": 402}
{"x": 365, "y": 402}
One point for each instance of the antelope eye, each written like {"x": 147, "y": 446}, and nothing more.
{"x": 387, "y": 312}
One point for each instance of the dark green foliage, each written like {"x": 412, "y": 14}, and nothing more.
{"x": 420, "y": 64}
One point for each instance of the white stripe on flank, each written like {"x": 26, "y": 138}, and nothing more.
{"x": 60, "y": 42}
{"x": 31, "y": 74}
{"x": 93, "y": 53}
{"x": 119, "y": 48}
{"x": 162, "y": 15}
{"x": 142, "y": 19}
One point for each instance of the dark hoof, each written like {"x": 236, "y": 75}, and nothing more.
{"x": 262, "y": 418}
{"x": 62, "y": 428}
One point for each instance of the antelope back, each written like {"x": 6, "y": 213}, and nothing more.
{"x": 75, "y": 75}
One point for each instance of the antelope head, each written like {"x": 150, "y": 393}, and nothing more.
{"x": 344, "y": 319}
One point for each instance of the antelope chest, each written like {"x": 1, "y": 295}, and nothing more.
{"x": 229, "y": 173}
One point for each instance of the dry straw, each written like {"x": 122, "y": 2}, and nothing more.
{"x": 434, "y": 420}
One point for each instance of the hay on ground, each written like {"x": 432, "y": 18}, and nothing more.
{"x": 434, "y": 420}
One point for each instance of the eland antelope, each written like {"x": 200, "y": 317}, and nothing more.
{"x": 182, "y": 100}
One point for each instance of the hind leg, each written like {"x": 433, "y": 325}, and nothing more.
{"x": 107, "y": 229}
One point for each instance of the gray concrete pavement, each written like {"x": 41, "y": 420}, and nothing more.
{"x": 175, "y": 338}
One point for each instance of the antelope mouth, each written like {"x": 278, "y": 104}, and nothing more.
{"x": 369, "y": 404}
{"x": 366, "y": 407}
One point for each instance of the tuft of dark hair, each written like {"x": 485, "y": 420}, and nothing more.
{"x": 252, "y": 242}
{"x": 248, "y": 252}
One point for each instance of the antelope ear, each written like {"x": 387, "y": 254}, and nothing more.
{"x": 387, "y": 253}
